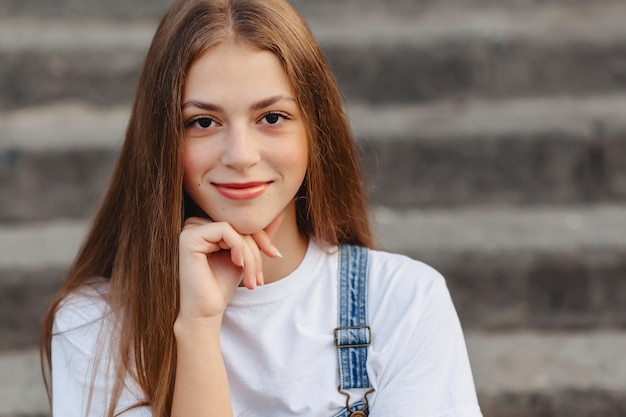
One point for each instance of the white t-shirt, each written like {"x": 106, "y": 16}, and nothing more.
{"x": 277, "y": 343}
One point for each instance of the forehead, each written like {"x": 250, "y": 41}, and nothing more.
{"x": 235, "y": 68}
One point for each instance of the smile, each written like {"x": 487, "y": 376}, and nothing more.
{"x": 242, "y": 191}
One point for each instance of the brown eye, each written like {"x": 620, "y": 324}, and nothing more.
{"x": 204, "y": 122}
{"x": 200, "y": 123}
{"x": 274, "y": 118}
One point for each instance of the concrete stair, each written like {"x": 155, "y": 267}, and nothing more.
{"x": 493, "y": 135}
{"x": 432, "y": 54}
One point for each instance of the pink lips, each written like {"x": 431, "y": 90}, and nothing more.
{"x": 242, "y": 191}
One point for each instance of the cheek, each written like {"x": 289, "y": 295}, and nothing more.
{"x": 197, "y": 155}
{"x": 302, "y": 159}
{"x": 297, "y": 156}
{"x": 191, "y": 165}
{"x": 293, "y": 161}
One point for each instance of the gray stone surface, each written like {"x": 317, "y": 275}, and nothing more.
{"x": 551, "y": 268}
{"x": 22, "y": 392}
{"x": 33, "y": 261}
{"x": 39, "y": 246}
{"x": 549, "y": 374}
{"x": 120, "y": 9}
{"x": 585, "y": 403}
{"x": 377, "y": 57}
{"x": 523, "y": 151}
{"x": 493, "y": 229}
{"x": 37, "y": 185}
{"x": 548, "y": 363}
{"x": 24, "y": 299}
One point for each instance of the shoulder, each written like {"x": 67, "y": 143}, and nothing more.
{"x": 416, "y": 337}
{"x": 404, "y": 291}
{"x": 395, "y": 263}
{"x": 83, "y": 309}
{"x": 400, "y": 276}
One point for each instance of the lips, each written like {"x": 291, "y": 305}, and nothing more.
{"x": 242, "y": 191}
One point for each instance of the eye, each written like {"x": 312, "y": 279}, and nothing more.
{"x": 200, "y": 122}
{"x": 273, "y": 118}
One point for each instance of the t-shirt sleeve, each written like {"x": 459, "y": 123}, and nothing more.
{"x": 77, "y": 350}
{"x": 422, "y": 367}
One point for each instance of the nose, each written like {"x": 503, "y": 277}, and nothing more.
{"x": 241, "y": 149}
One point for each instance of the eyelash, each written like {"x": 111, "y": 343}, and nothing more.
{"x": 196, "y": 119}
{"x": 285, "y": 116}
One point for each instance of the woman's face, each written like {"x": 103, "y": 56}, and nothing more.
{"x": 245, "y": 147}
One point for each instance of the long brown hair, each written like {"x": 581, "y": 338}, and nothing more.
{"x": 133, "y": 242}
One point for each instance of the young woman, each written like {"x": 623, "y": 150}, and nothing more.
{"x": 209, "y": 284}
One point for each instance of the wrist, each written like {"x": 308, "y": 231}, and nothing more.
{"x": 196, "y": 327}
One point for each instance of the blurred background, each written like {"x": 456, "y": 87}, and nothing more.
{"x": 493, "y": 135}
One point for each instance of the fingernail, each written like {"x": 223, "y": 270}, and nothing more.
{"x": 261, "y": 278}
{"x": 276, "y": 252}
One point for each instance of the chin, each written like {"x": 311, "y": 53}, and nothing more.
{"x": 246, "y": 226}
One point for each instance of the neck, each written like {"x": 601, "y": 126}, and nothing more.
{"x": 292, "y": 245}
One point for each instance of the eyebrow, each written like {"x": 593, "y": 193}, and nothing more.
{"x": 259, "y": 105}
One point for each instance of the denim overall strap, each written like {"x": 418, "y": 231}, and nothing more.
{"x": 353, "y": 335}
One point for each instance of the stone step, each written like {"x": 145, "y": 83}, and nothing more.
{"x": 531, "y": 374}
{"x": 33, "y": 262}
{"x": 62, "y": 169}
{"x": 555, "y": 150}
{"x": 154, "y": 9}
{"x": 379, "y": 57}
{"x": 517, "y": 374}
{"x": 522, "y": 151}
{"x": 540, "y": 268}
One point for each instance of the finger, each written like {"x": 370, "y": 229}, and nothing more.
{"x": 274, "y": 225}
{"x": 264, "y": 243}
{"x": 250, "y": 268}
{"x": 196, "y": 221}
{"x": 258, "y": 260}
{"x": 209, "y": 237}
{"x": 263, "y": 238}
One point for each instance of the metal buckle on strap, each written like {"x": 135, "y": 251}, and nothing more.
{"x": 356, "y": 413}
{"x": 353, "y": 336}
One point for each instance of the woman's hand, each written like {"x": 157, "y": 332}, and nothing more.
{"x": 214, "y": 259}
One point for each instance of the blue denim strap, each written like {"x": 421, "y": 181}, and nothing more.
{"x": 353, "y": 335}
